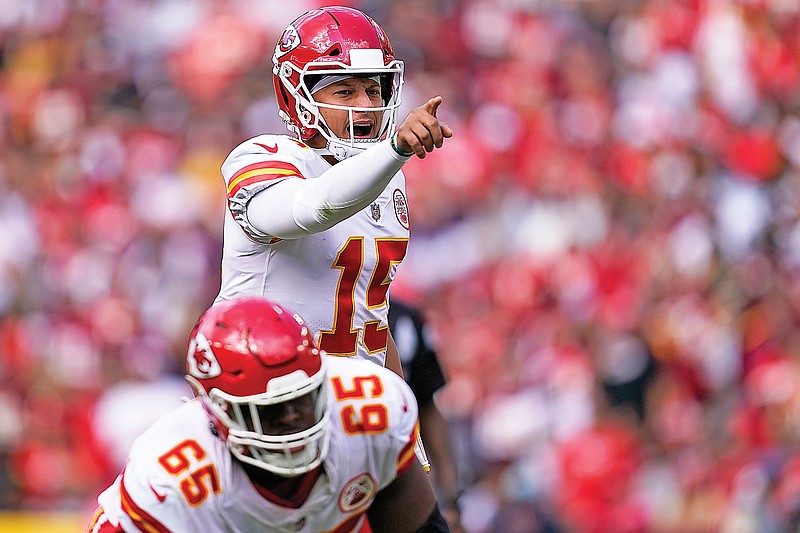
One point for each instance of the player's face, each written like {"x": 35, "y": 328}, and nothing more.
{"x": 285, "y": 418}
{"x": 351, "y": 92}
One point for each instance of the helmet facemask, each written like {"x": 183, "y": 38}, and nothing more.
{"x": 364, "y": 63}
{"x": 245, "y": 417}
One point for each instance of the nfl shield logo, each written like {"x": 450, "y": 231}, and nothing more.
{"x": 376, "y": 211}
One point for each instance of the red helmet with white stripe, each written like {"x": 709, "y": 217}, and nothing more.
{"x": 255, "y": 367}
{"x": 333, "y": 41}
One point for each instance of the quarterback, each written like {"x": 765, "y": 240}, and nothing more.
{"x": 318, "y": 220}
{"x": 279, "y": 437}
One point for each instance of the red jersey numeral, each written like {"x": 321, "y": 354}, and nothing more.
{"x": 342, "y": 339}
{"x": 371, "y": 417}
{"x": 196, "y": 484}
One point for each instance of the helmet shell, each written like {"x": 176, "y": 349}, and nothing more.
{"x": 336, "y": 40}
{"x": 250, "y": 353}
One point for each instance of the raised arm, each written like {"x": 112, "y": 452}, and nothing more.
{"x": 297, "y": 207}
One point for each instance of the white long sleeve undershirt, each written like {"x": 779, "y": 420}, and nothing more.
{"x": 297, "y": 207}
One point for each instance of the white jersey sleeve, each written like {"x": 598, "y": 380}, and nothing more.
{"x": 256, "y": 165}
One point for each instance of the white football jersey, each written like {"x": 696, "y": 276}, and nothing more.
{"x": 338, "y": 279}
{"x": 180, "y": 477}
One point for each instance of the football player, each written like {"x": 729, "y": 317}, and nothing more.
{"x": 279, "y": 437}
{"x": 318, "y": 220}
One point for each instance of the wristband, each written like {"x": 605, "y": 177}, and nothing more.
{"x": 397, "y": 149}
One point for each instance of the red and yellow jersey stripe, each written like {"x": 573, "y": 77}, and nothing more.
{"x": 407, "y": 455}
{"x": 141, "y": 518}
{"x": 262, "y": 171}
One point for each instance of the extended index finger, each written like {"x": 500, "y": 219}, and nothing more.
{"x": 432, "y": 105}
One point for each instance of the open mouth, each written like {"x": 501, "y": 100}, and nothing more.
{"x": 362, "y": 130}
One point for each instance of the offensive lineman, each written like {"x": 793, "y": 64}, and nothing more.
{"x": 279, "y": 437}
{"x": 319, "y": 221}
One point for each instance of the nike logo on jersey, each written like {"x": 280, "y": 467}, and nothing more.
{"x": 161, "y": 497}
{"x": 270, "y": 149}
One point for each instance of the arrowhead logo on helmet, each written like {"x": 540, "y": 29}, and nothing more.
{"x": 201, "y": 361}
{"x": 288, "y": 42}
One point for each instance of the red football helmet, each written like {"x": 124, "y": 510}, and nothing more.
{"x": 245, "y": 357}
{"x": 333, "y": 41}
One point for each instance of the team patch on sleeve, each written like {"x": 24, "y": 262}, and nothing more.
{"x": 141, "y": 518}
{"x": 258, "y": 172}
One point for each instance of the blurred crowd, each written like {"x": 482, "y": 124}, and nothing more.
{"x": 608, "y": 250}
